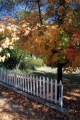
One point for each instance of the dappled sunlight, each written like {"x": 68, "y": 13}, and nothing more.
{"x": 19, "y": 107}
{"x": 74, "y": 94}
{"x": 47, "y": 69}
{"x": 16, "y": 106}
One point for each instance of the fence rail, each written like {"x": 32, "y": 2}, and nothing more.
{"x": 39, "y": 86}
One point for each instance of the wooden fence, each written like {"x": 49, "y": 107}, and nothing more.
{"x": 42, "y": 87}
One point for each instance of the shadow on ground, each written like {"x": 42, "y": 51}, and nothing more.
{"x": 14, "y": 106}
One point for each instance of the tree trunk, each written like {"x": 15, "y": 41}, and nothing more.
{"x": 59, "y": 72}
{"x": 38, "y": 2}
{"x": 59, "y": 77}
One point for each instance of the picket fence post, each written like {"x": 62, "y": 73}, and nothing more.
{"x": 47, "y": 88}
{"x": 40, "y": 87}
{"x": 1, "y": 73}
{"x": 55, "y": 91}
{"x": 60, "y": 93}
{"x": 15, "y": 78}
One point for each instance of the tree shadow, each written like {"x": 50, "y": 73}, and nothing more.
{"x": 72, "y": 78}
{"x": 23, "y": 108}
{"x": 45, "y": 74}
{"x": 71, "y": 87}
{"x": 19, "y": 107}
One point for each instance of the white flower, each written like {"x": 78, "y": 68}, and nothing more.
{"x": 7, "y": 41}
{"x": 8, "y": 54}
{"x": 3, "y": 58}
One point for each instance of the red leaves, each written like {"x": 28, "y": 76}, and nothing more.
{"x": 61, "y": 8}
{"x": 76, "y": 36}
{"x": 71, "y": 53}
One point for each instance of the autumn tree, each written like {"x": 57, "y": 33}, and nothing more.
{"x": 58, "y": 39}
{"x": 58, "y": 42}
{"x": 8, "y": 37}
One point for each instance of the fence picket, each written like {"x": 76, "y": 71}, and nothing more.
{"x": 34, "y": 85}
{"x": 55, "y": 91}
{"x": 25, "y": 86}
{"x": 28, "y": 83}
{"x": 60, "y": 93}
{"x": 13, "y": 79}
{"x": 23, "y": 82}
{"x": 51, "y": 90}
{"x": 44, "y": 87}
{"x": 3, "y": 75}
{"x": 47, "y": 88}
{"x": 31, "y": 84}
{"x": 39, "y": 86}
{"x": 7, "y": 76}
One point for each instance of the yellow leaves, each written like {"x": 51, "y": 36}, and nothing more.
{"x": 68, "y": 1}
{"x": 26, "y": 32}
{"x": 4, "y": 43}
{"x": 8, "y": 36}
{"x": 24, "y": 25}
{"x": 1, "y": 28}
{"x": 46, "y": 40}
{"x": 52, "y": 2}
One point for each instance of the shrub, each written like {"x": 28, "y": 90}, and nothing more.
{"x": 30, "y": 63}
{"x": 14, "y": 59}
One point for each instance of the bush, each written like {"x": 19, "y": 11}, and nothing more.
{"x": 30, "y": 63}
{"x": 14, "y": 59}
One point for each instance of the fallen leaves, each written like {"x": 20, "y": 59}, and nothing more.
{"x": 14, "y": 106}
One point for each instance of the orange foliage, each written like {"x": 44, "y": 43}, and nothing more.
{"x": 54, "y": 45}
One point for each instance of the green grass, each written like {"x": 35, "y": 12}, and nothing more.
{"x": 73, "y": 78}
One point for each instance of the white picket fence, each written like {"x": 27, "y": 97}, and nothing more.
{"x": 39, "y": 86}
